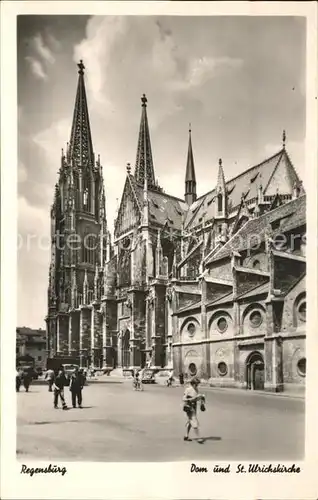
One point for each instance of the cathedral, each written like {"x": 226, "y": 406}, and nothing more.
{"x": 212, "y": 285}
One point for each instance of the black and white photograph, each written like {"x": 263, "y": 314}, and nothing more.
{"x": 162, "y": 242}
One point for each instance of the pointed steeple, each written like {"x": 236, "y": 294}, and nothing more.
{"x": 221, "y": 209}
{"x": 221, "y": 179}
{"x": 190, "y": 182}
{"x": 80, "y": 148}
{"x": 144, "y": 163}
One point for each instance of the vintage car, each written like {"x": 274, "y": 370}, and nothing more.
{"x": 148, "y": 377}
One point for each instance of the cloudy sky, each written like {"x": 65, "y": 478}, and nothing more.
{"x": 240, "y": 81}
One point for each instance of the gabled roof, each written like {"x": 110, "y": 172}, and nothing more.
{"x": 245, "y": 183}
{"x": 294, "y": 211}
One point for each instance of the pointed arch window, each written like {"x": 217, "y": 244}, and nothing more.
{"x": 87, "y": 194}
{"x": 90, "y": 296}
{"x": 220, "y": 202}
{"x": 89, "y": 248}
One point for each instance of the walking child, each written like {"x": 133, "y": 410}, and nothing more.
{"x": 190, "y": 399}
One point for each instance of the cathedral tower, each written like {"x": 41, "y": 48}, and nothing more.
{"x": 78, "y": 235}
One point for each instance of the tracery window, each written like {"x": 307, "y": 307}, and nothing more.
{"x": 220, "y": 202}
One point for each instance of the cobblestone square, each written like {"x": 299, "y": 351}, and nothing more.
{"x": 118, "y": 424}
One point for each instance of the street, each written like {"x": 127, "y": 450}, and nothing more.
{"x": 118, "y": 424}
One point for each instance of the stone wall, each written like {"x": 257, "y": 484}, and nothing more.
{"x": 221, "y": 270}
{"x": 294, "y": 350}
{"x": 190, "y": 327}
{"x": 222, "y": 363}
{"x": 251, "y": 261}
{"x": 291, "y": 319}
{"x": 221, "y": 322}
{"x": 247, "y": 312}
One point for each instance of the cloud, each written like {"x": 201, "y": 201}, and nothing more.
{"x": 149, "y": 58}
{"x": 203, "y": 69}
{"x": 36, "y": 68}
{"x": 52, "y": 137}
{"x": 41, "y": 49}
{"x": 52, "y": 41}
{"x": 40, "y": 55}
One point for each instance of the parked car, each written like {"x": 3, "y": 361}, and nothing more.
{"x": 148, "y": 377}
{"x": 68, "y": 370}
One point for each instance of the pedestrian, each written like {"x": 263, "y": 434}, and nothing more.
{"x": 190, "y": 399}
{"x": 181, "y": 378}
{"x": 49, "y": 376}
{"x": 58, "y": 387}
{"x": 18, "y": 380}
{"x": 137, "y": 384}
{"x": 170, "y": 379}
{"x": 27, "y": 379}
{"x": 76, "y": 386}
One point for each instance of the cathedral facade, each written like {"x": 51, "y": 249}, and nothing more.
{"x": 211, "y": 285}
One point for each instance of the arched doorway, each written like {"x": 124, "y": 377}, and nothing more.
{"x": 255, "y": 371}
{"x": 125, "y": 349}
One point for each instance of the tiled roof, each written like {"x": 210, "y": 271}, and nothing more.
{"x": 23, "y": 330}
{"x": 294, "y": 212}
{"x": 228, "y": 297}
{"x": 247, "y": 182}
{"x": 190, "y": 307}
{"x": 162, "y": 207}
{"x": 259, "y": 289}
{"x": 187, "y": 289}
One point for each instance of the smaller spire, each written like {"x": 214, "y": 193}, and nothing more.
{"x": 128, "y": 168}
{"x": 284, "y": 139}
{"x": 221, "y": 178}
{"x": 190, "y": 180}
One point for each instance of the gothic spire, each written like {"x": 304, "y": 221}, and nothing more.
{"x": 144, "y": 164}
{"x": 80, "y": 147}
{"x": 221, "y": 179}
{"x": 221, "y": 193}
{"x": 190, "y": 182}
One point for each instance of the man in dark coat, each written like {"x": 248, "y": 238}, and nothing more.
{"x": 76, "y": 386}
{"x": 27, "y": 379}
{"x": 58, "y": 386}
